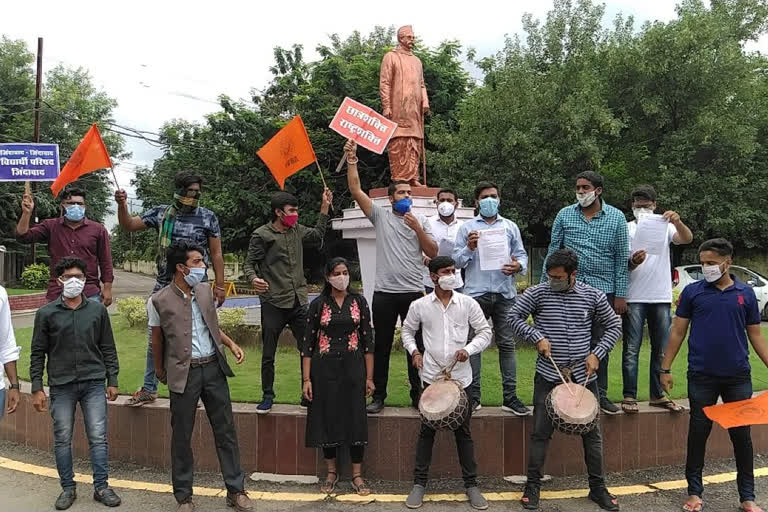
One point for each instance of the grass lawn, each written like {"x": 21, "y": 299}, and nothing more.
{"x": 246, "y": 387}
{"x": 21, "y": 291}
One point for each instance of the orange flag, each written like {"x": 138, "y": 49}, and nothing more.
{"x": 753, "y": 411}
{"x": 90, "y": 155}
{"x": 288, "y": 152}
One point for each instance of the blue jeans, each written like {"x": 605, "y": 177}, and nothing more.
{"x": 704, "y": 390}
{"x": 91, "y": 394}
{"x": 659, "y": 320}
{"x": 602, "y": 370}
{"x": 497, "y": 307}
{"x": 150, "y": 379}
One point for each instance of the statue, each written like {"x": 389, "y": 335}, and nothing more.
{"x": 404, "y": 101}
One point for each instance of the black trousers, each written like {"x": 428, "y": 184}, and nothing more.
{"x": 542, "y": 434}
{"x": 209, "y": 383}
{"x": 386, "y": 309}
{"x": 273, "y": 321}
{"x": 356, "y": 452}
{"x": 464, "y": 446}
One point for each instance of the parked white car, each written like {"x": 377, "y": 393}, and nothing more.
{"x": 687, "y": 274}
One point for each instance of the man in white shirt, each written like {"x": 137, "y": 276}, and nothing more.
{"x": 444, "y": 226}
{"x": 445, "y": 318}
{"x": 9, "y": 354}
{"x": 649, "y": 297}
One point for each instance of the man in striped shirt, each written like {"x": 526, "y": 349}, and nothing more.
{"x": 564, "y": 310}
{"x": 598, "y": 233}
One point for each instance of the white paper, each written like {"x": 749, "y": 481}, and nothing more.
{"x": 651, "y": 234}
{"x": 493, "y": 249}
{"x": 446, "y": 247}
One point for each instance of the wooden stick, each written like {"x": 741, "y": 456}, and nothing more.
{"x": 114, "y": 177}
{"x": 341, "y": 163}
{"x": 27, "y": 188}
{"x": 321, "y": 174}
{"x": 561, "y": 376}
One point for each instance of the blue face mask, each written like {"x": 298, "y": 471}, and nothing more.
{"x": 402, "y": 206}
{"x": 489, "y": 207}
{"x": 195, "y": 276}
{"x": 74, "y": 213}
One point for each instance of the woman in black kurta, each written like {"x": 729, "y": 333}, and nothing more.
{"x": 337, "y": 354}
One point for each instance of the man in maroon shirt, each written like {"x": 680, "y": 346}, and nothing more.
{"x": 72, "y": 235}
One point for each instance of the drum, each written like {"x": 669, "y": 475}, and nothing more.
{"x": 573, "y": 411}
{"x": 444, "y": 405}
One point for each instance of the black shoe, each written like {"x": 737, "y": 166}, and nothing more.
{"x": 375, "y": 407}
{"x": 608, "y": 407}
{"x": 66, "y": 499}
{"x": 107, "y": 497}
{"x": 530, "y": 499}
{"x": 476, "y": 406}
{"x": 516, "y": 407}
{"x": 604, "y": 499}
{"x": 304, "y": 402}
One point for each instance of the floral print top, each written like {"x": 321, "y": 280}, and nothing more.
{"x": 331, "y": 328}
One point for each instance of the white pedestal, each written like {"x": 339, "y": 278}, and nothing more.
{"x": 355, "y": 225}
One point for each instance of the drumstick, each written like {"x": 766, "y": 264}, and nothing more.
{"x": 561, "y": 375}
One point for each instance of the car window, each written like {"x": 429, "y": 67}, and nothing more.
{"x": 695, "y": 273}
{"x": 743, "y": 275}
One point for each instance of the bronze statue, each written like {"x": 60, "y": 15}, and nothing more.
{"x": 404, "y": 100}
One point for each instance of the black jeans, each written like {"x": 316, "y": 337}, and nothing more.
{"x": 542, "y": 433}
{"x": 704, "y": 390}
{"x": 464, "y": 446}
{"x": 273, "y": 321}
{"x": 386, "y": 309}
{"x": 602, "y": 370}
{"x": 209, "y": 383}
{"x": 356, "y": 452}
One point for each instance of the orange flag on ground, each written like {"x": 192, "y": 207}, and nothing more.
{"x": 288, "y": 152}
{"x": 90, "y": 155}
{"x": 753, "y": 411}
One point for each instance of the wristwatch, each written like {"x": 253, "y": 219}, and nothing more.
{"x": 662, "y": 370}
{"x": 15, "y": 386}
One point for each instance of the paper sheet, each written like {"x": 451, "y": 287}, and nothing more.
{"x": 651, "y": 234}
{"x": 493, "y": 249}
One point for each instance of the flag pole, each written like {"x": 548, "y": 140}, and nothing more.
{"x": 114, "y": 177}
{"x": 321, "y": 174}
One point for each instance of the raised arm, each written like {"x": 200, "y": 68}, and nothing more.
{"x": 127, "y": 221}
{"x": 353, "y": 179}
{"x": 24, "y": 233}
{"x": 317, "y": 234}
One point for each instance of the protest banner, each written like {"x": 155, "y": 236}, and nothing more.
{"x": 29, "y": 162}
{"x": 363, "y": 125}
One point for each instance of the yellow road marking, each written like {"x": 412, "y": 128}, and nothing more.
{"x": 625, "y": 490}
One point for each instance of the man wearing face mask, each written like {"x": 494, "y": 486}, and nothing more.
{"x": 598, "y": 233}
{"x": 722, "y": 313}
{"x": 445, "y": 318}
{"x": 444, "y": 226}
{"x": 494, "y": 290}
{"x": 75, "y": 336}
{"x": 564, "y": 311}
{"x": 188, "y": 353}
{"x": 649, "y": 296}
{"x": 72, "y": 235}
{"x": 184, "y": 219}
{"x": 275, "y": 267}
{"x": 401, "y": 238}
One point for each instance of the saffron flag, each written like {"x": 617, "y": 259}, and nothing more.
{"x": 288, "y": 152}
{"x": 90, "y": 155}
{"x": 753, "y": 411}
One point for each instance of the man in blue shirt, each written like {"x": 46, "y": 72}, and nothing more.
{"x": 722, "y": 313}
{"x": 494, "y": 290}
{"x": 598, "y": 233}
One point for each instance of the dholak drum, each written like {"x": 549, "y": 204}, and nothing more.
{"x": 444, "y": 404}
{"x": 574, "y": 414}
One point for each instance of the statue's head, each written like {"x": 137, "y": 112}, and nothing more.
{"x": 405, "y": 37}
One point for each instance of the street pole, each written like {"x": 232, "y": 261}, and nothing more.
{"x": 38, "y": 92}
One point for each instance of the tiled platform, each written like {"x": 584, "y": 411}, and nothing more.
{"x": 275, "y": 443}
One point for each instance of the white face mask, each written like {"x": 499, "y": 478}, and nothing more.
{"x": 711, "y": 273}
{"x": 72, "y": 287}
{"x": 637, "y": 212}
{"x": 447, "y": 283}
{"x": 586, "y": 200}
{"x": 445, "y": 209}
{"x": 340, "y": 282}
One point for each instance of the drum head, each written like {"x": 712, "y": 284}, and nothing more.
{"x": 579, "y": 407}
{"x": 439, "y": 399}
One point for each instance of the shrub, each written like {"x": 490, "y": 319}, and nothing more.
{"x": 231, "y": 318}
{"x": 36, "y": 276}
{"x": 134, "y": 309}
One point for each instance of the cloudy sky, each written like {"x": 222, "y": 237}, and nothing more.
{"x": 168, "y": 59}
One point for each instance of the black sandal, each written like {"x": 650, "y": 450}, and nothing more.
{"x": 668, "y": 405}
{"x": 362, "y": 489}
{"x": 629, "y": 406}
{"x": 329, "y": 486}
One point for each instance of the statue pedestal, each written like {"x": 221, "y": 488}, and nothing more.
{"x": 355, "y": 225}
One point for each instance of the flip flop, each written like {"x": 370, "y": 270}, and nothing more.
{"x": 629, "y": 406}
{"x": 698, "y": 507}
{"x": 329, "y": 487}
{"x": 668, "y": 405}
{"x": 750, "y": 508}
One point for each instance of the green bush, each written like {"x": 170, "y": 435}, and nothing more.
{"x": 134, "y": 309}
{"x": 36, "y": 276}
{"x": 231, "y": 318}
